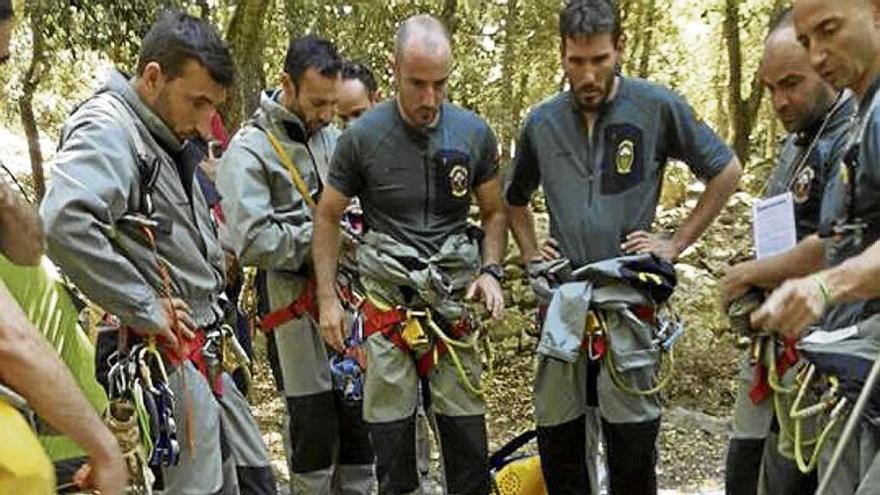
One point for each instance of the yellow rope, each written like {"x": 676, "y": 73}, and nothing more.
{"x": 667, "y": 367}
{"x": 451, "y": 346}
{"x": 295, "y": 175}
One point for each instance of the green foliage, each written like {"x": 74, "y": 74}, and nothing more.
{"x": 49, "y": 307}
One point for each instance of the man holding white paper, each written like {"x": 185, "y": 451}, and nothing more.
{"x": 817, "y": 118}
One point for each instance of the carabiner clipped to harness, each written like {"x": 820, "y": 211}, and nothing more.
{"x": 830, "y": 402}
{"x": 166, "y": 451}
{"x": 668, "y": 330}
{"x": 347, "y": 369}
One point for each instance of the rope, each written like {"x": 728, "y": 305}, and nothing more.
{"x": 451, "y": 346}
{"x": 166, "y": 293}
{"x": 667, "y": 367}
{"x": 295, "y": 176}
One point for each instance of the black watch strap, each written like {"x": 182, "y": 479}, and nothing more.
{"x": 494, "y": 269}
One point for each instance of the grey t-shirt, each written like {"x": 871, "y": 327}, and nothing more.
{"x": 415, "y": 185}
{"x": 601, "y": 187}
{"x": 820, "y": 165}
{"x": 854, "y": 196}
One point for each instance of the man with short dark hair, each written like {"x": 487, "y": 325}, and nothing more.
{"x": 269, "y": 178}
{"x": 598, "y": 150}
{"x": 127, "y": 222}
{"x": 817, "y": 118}
{"x": 30, "y": 367}
{"x": 414, "y": 162}
{"x": 359, "y": 92}
{"x": 843, "y": 42}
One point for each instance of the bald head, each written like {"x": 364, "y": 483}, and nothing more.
{"x": 799, "y": 96}
{"x": 422, "y": 63}
{"x": 843, "y": 40}
{"x": 422, "y": 36}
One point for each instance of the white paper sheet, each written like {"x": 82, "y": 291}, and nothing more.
{"x": 822, "y": 337}
{"x": 773, "y": 225}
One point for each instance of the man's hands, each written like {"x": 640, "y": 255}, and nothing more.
{"x": 105, "y": 473}
{"x": 663, "y": 245}
{"x": 736, "y": 282}
{"x": 550, "y": 250}
{"x": 793, "y": 307}
{"x": 332, "y": 322}
{"x": 488, "y": 287}
{"x": 179, "y": 318}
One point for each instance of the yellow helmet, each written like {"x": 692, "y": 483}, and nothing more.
{"x": 521, "y": 477}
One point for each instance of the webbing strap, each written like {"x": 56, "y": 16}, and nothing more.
{"x": 302, "y": 305}
{"x": 388, "y": 324}
{"x": 295, "y": 175}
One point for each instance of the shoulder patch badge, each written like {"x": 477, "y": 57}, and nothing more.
{"x": 801, "y": 188}
{"x": 623, "y": 161}
{"x": 458, "y": 181}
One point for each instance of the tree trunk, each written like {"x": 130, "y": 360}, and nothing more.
{"x": 508, "y": 76}
{"x": 648, "y": 41}
{"x": 743, "y": 110}
{"x": 737, "y": 108}
{"x": 30, "y": 81}
{"x": 634, "y": 43}
{"x": 246, "y": 36}
{"x": 449, "y": 16}
{"x": 204, "y": 9}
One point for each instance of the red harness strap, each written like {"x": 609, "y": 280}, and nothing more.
{"x": 304, "y": 304}
{"x": 388, "y": 324}
{"x": 384, "y": 322}
{"x": 191, "y": 350}
{"x": 598, "y": 345}
{"x": 760, "y": 389}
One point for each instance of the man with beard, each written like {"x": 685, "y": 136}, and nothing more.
{"x": 127, "y": 222}
{"x": 269, "y": 178}
{"x": 817, "y": 118}
{"x": 843, "y": 42}
{"x": 598, "y": 150}
{"x": 415, "y": 161}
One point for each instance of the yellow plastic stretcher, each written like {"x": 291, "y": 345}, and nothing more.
{"x": 25, "y": 468}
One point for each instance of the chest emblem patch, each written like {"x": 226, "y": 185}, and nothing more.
{"x": 623, "y": 161}
{"x": 458, "y": 181}
{"x": 801, "y": 188}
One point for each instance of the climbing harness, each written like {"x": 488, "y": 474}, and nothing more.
{"x": 647, "y": 275}
{"x": 405, "y": 328}
{"x": 667, "y": 331}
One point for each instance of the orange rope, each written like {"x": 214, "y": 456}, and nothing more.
{"x": 166, "y": 294}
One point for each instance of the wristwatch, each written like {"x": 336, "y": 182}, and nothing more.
{"x": 494, "y": 269}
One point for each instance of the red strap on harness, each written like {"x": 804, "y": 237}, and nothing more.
{"x": 388, "y": 322}
{"x": 304, "y": 304}
{"x": 598, "y": 345}
{"x": 384, "y": 322}
{"x": 191, "y": 350}
{"x": 760, "y": 389}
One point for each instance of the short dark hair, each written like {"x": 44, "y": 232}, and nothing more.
{"x": 5, "y": 10}
{"x": 359, "y": 71}
{"x": 313, "y": 52}
{"x": 581, "y": 18}
{"x": 176, "y": 38}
